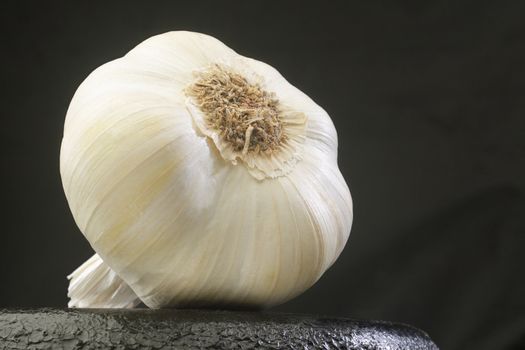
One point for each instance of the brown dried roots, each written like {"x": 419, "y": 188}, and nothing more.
{"x": 244, "y": 115}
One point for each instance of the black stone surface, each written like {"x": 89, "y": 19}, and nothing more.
{"x": 198, "y": 329}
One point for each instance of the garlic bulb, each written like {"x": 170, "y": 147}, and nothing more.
{"x": 200, "y": 177}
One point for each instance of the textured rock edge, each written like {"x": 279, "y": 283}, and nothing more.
{"x": 198, "y": 329}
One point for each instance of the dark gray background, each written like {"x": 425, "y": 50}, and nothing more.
{"x": 428, "y": 100}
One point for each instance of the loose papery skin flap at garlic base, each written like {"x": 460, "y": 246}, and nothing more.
{"x": 201, "y": 178}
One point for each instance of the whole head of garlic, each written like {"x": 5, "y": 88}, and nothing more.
{"x": 201, "y": 178}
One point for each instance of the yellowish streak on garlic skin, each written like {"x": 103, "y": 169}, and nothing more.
{"x": 245, "y": 116}
{"x": 137, "y": 201}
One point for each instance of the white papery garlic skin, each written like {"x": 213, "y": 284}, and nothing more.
{"x": 201, "y": 178}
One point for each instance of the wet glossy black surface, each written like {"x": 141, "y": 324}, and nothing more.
{"x": 198, "y": 329}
